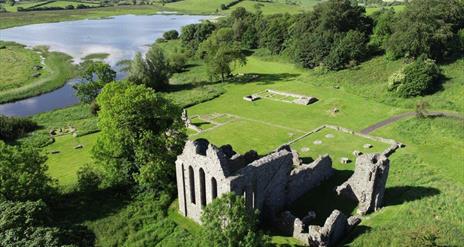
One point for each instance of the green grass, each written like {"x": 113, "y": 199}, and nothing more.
{"x": 17, "y": 63}
{"x": 63, "y": 4}
{"x": 64, "y": 165}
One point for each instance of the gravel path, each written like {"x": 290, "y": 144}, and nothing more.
{"x": 408, "y": 115}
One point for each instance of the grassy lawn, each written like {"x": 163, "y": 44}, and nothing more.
{"x": 63, "y": 4}
{"x": 425, "y": 190}
{"x": 16, "y": 65}
{"x": 64, "y": 165}
{"x": 17, "y": 79}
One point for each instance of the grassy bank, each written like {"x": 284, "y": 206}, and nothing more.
{"x": 24, "y": 75}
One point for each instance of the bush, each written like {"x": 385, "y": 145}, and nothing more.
{"x": 70, "y": 6}
{"x": 88, "y": 179}
{"x": 170, "y": 35}
{"x": 12, "y": 128}
{"x": 418, "y": 78}
{"x": 177, "y": 62}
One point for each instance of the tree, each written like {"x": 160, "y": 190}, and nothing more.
{"x": 153, "y": 71}
{"x": 326, "y": 35}
{"x": 141, "y": 135}
{"x": 192, "y": 35}
{"x": 219, "y": 51}
{"x": 12, "y": 128}
{"x": 227, "y": 222}
{"x": 383, "y": 27}
{"x": 23, "y": 173}
{"x": 11, "y": 2}
{"x": 94, "y": 75}
{"x": 29, "y": 224}
{"x": 418, "y": 78}
{"x": 273, "y": 32}
{"x": 427, "y": 27}
{"x": 170, "y": 35}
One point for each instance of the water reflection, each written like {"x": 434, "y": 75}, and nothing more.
{"x": 121, "y": 37}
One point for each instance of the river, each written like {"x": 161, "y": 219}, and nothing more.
{"x": 120, "y": 36}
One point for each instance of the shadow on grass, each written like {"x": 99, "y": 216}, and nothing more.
{"x": 357, "y": 231}
{"x": 264, "y": 79}
{"x": 76, "y": 208}
{"x": 401, "y": 194}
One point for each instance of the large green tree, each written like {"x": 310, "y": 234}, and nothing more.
{"x": 23, "y": 173}
{"x": 228, "y": 223}
{"x": 334, "y": 34}
{"x": 95, "y": 75}
{"x": 153, "y": 71}
{"x": 220, "y": 51}
{"x": 141, "y": 134}
{"x": 427, "y": 27}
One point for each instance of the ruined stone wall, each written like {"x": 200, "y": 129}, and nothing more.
{"x": 367, "y": 184}
{"x": 200, "y": 172}
{"x": 263, "y": 182}
{"x": 308, "y": 176}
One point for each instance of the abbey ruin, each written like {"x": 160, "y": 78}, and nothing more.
{"x": 272, "y": 183}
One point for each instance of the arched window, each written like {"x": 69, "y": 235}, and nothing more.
{"x": 213, "y": 188}
{"x": 202, "y": 187}
{"x": 183, "y": 191}
{"x": 192, "y": 185}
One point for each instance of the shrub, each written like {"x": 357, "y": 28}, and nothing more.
{"x": 418, "y": 78}
{"x": 177, "y": 62}
{"x": 170, "y": 35}
{"x": 12, "y": 128}
{"x": 70, "y": 6}
{"x": 88, "y": 179}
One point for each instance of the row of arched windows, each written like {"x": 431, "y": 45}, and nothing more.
{"x": 202, "y": 187}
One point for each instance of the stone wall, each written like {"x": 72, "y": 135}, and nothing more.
{"x": 367, "y": 184}
{"x": 308, "y": 176}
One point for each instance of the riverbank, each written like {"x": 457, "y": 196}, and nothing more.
{"x": 30, "y": 72}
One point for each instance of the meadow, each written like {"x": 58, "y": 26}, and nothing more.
{"x": 424, "y": 194}
{"x": 23, "y": 74}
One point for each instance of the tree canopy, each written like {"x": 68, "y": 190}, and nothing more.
{"x": 427, "y": 27}
{"x": 95, "y": 75}
{"x": 227, "y": 222}
{"x": 23, "y": 173}
{"x": 152, "y": 71}
{"x": 219, "y": 51}
{"x": 141, "y": 134}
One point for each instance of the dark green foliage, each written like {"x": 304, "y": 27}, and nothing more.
{"x": 177, "y": 62}
{"x": 95, "y": 75}
{"x": 334, "y": 34}
{"x": 170, "y": 35}
{"x": 418, "y": 78}
{"x": 383, "y": 27}
{"x": 427, "y": 27}
{"x": 12, "y": 128}
{"x": 192, "y": 35}
{"x": 274, "y": 31}
{"x": 23, "y": 173}
{"x": 141, "y": 135}
{"x": 88, "y": 179}
{"x": 244, "y": 25}
{"x": 227, "y": 222}
{"x": 153, "y": 71}
{"x": 29, "y": 224}
{"x": 219, "y": 51}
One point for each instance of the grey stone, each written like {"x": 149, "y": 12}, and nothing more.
{"x": 251, "y": 98}
{"x": 268, "y": 184}
{"x": 55, "y": 152}
{"x": 304, "y": 149}
{"x": 80, "y": 146}
{"x": 367, "y": 145}
{"x": 357, "y": 153}
{"x": 367, "y": 184}
{"x": 329, "y": 136}
{"x": 345, "y": 160}
{"x": 317, "y": 142}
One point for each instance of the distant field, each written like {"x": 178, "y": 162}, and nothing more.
{"x": 21, "y": 77}
{"x": 63, "y": 4}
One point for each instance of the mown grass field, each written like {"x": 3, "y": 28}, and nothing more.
{"x": 64, "y": 165}
{"x": 63, "y": 4}
{"x": 17, "y": 80}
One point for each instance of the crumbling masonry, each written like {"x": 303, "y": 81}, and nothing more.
{"x": 273, "y": 182}
{"x": 268, "y": 184}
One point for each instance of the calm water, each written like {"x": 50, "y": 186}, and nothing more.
{"x": 121, "y": 37}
